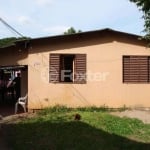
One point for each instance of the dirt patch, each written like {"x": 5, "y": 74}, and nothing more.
{"x": 16, "y": 118}
{"x": 138, "y": 114}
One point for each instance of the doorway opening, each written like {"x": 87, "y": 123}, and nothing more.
{"x": 13, "y": 84}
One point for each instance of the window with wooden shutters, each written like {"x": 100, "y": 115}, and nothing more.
{"x": 149, "y": 69}
{"x": 136, "y": 69}
{"x": 80, "y": 68}
{"x": 68, "y": 68}
{"x": 54, "y": 70}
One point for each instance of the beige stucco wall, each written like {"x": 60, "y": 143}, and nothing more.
{"x": 104, "y": 56}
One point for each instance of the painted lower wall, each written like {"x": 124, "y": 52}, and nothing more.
{"x": 103, "y": 59}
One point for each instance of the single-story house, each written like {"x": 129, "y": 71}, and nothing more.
{"x": 96, "y": 68}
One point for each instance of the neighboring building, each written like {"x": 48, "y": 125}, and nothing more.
{"x": 106, "y": 67}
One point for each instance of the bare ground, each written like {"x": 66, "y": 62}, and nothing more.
{"x": 143, "y": 115}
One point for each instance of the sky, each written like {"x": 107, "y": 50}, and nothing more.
{"x": 39, "y": 18}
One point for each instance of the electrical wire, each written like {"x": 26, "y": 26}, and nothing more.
{"x": 10, "y": 27}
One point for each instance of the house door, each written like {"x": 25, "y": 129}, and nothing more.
{"x": 13, "y": 84}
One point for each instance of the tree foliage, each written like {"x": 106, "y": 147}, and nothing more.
{"x": 72, "y": 31}
{"x": 144, "y": 5}
{"x": 10, "y": 41}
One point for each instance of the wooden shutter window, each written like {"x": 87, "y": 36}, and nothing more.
{"x": 149, "y": 69}
{"x": 135, "y": 69}
{"x": 54, "y": 70}
{"x": 80, "y": 69}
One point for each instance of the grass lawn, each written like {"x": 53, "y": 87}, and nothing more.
{"x": 56, "y": 129}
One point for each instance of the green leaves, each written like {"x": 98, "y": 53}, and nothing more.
{"x": 10, "y": 41}
{"x": 144, "y": 5}
{"x": 72, "y": 31}
{"x": 7, "y": 41}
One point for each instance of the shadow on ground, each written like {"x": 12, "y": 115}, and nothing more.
{"x": 7, "y": 110}
{"x": 74, "y": 135}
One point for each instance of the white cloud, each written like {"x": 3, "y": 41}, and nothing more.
{"x": 25, "y": 20}
{"x": 44, "y": 2}
{"x": 56, "y": 30}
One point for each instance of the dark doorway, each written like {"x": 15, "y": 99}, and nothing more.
{"x": 13, "y": 84}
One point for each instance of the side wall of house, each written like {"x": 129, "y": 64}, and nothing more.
{"x": 105, "y": 70}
